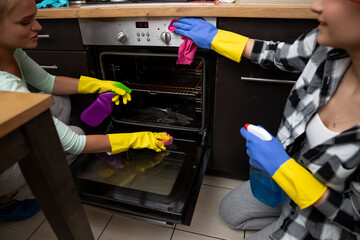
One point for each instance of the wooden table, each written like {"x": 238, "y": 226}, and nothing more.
{"x": 28, "y": 136}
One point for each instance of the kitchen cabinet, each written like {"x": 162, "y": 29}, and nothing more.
{"x": 247, "y": 93}
{"x": 60, "y": 52}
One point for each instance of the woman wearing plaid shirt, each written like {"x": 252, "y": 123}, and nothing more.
{"x": 316, "y": 155}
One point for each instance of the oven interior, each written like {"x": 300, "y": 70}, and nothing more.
{"x": 164, "y": 94}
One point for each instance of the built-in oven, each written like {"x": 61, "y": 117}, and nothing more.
{"x": 166, "y": 97}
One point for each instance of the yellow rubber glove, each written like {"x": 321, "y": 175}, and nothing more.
{"x": 299, "y": 184}
{"x": 121, "y": 142}
{"x": 229, "y": 44}
{"x": 94, "y": 85}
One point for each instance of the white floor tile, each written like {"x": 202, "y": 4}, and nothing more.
{"x": 97, "y": 221}
{"x": 18, "y": 230}
{"x": 123, "y": 227}
{"x": 221, "y": 182}
{"x": 182, "y": 235}
{"x": 248, "y": 233}
{"x": 206, "y": 219}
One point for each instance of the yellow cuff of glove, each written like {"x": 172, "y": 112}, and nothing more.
{"x": 89, "y": 85}
{"x": 229, "y": 44}
{"x": 299, "y": 184}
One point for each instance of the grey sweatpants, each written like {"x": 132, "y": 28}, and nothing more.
{"x": 12, "y": 180}
{"x": 241, "y": 210}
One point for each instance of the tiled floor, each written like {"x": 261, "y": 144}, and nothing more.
{"x": 109, "y": 225}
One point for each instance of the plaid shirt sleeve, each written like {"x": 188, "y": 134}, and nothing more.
{"x": 291, "y": 57}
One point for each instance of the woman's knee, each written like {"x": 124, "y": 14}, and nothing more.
{"x": 240, "y": 210}
{"x": 231, "y": 208}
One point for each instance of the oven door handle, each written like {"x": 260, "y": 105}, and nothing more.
{"x": 252, "y": 79}
{"x": 50, "y": 67}
{"x": 47, "y": 36}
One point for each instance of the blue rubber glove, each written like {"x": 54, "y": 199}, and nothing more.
{"x": 199, "y": 30}
{"x": 296, "y": 181}
{"x": 265, "y": 155}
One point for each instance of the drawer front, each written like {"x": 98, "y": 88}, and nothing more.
{"x": 61, "y": 34}
{"x": 70, "y": 64}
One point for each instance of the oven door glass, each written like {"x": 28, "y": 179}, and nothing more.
{"x": 162, "y": 186}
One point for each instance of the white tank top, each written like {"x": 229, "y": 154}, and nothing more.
{"x": 316, "y": 134}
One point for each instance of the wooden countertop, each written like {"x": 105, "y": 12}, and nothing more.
{"x": 17, "y": 108}
{"x": 295, "y": 9}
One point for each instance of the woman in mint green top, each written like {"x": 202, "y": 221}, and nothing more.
{"x": 35, "y": 75}
{"x": 19, "y": 29}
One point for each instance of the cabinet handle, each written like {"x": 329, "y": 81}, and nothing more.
{"x": 268, "y": 80}
{"x": 44, "y": 36}
{"x": 50, "y": 67}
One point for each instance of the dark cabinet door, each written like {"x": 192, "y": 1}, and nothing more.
{"x": 247, "y": 93}
{"x": 63, "y": 63}
{"x": 60, "y": 34}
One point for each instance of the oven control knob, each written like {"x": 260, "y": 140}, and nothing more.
{"x": 165, "y": 37}
{"x": 121, "y": 37}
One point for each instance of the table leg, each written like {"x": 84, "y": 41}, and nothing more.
{"x": 49, "y": 177}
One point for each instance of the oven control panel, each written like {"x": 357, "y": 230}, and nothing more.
{"x": 130, "y": 31}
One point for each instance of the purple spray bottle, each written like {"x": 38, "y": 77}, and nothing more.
{"x": 101, "y": 107}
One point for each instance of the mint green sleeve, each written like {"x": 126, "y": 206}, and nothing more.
{"x": 33, "y": 73}
{"x": 71, "y": 141}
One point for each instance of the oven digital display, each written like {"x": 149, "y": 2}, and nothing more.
{"x": 142, "y": 24}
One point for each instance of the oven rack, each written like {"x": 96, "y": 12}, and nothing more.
{"x": 181, "y": 88}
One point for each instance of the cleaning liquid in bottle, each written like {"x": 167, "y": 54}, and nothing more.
{"x": 263, "y": 187}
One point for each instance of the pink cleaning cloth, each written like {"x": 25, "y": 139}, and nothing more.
{"x": 187, "y": 49}
{"x": 167, "y": 142}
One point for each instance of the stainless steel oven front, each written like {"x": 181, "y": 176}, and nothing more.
{"x": 177, "y": 99}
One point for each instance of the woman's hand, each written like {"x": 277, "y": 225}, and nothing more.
{"x": 93, "y": 85}
{"x": 298, "y": 183}
{"x": 197, "y": 29}
{"x": 121, "y": 142}
{"x": 265, "y": 155}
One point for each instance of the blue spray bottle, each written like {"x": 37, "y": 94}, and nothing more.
{"x": 263, "y": 187}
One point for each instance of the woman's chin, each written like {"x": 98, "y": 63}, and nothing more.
{"x": 323, "y": 41}
{"x": 31, "y": 45}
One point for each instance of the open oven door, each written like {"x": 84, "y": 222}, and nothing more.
{"x": 166, "y": 96}
{"x": 161, "y": 186}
